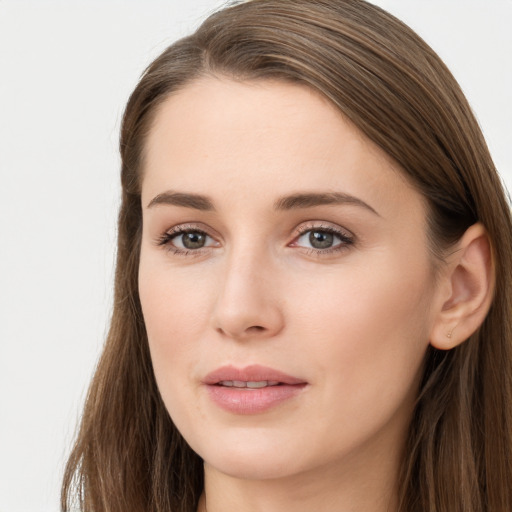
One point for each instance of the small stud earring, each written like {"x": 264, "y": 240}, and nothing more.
{"x": 449, "y": 335}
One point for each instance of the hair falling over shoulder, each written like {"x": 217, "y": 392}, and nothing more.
{"x": 128, "y": 455}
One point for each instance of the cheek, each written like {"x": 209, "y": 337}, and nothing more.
{"x": 176, "y": 310}
{"x": 367, "y": 333}
{"x": 382, "y": 298}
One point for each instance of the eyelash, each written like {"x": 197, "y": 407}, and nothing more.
{"x": 165, "y": 240}
{"x": 346, "y": 239}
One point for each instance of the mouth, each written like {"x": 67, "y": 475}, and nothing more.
{"x": 248, "y": 384}
{"x": 253, "y": 376}
{"x": 251, "y": 390}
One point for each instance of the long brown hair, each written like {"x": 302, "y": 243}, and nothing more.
{"x": 128, "y": 455}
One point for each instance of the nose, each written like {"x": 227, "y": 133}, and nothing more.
{"x": 248, "y": 304}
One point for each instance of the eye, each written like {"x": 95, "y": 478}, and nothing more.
{"x": 323, "y": 239}
{"x": 182, "y": 240}
{"x": 191, "y": 240}
{"x": 319, "y": 239}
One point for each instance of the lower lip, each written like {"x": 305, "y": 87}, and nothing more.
{"x": 252, "y": 401}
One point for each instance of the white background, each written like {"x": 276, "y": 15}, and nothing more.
{"x": 66, "y": 70}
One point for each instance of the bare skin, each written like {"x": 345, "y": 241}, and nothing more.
{"x": 335, "y": 288}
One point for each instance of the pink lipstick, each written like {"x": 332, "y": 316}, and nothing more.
{"x": 251, "y": 390}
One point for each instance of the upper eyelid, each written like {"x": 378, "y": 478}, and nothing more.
{"x": 191, "y": 227}
{"x": 303, "y": 227}
{"x": 322, "y": 226}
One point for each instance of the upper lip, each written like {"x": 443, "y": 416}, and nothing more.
{"x": 252, "y": 373}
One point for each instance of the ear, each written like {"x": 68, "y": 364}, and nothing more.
{"x": 466, "y": 289}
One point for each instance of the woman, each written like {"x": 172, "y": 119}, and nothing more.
{"x": 313, "y": 282}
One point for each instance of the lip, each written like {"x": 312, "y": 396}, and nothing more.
{"x": 251, "y": 401}
{"x": 250, "y": 373}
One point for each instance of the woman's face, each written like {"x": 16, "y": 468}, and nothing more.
{"x": 285, "y": 281}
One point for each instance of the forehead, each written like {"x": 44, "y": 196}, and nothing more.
{"x": 258, "y": 140}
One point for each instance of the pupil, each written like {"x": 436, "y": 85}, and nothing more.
{"x": 193, "y": 240}
{"x": 321, "y": 239}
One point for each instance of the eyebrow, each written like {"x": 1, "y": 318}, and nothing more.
{"x": 291, "y": 202}
{"x": 309, "y": 200}
{"x": 195, "y": 201}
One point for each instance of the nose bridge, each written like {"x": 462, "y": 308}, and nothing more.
{"x": 248, "y": 299}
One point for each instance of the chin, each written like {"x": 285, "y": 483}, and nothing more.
{"x": 250, "y": 457}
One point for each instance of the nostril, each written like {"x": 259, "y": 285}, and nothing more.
{"x": 256, "y": 328}
{"x": 249, "y": 330}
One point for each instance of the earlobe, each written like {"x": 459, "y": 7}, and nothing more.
{"x": 468, "y": 284}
